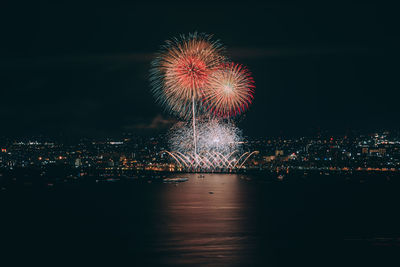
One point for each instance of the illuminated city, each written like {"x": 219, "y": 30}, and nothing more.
{"x": 135, "y": 157}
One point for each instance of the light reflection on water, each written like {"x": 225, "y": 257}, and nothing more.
{"x": 203, "y": 221}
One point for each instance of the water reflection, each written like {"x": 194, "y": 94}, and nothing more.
{"x": 202, "y": 221}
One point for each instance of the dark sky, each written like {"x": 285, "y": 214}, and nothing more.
{"x": 82, "y": 69}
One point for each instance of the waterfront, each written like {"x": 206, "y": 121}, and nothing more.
{"x": 219, "y": 220}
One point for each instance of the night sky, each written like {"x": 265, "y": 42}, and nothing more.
{"x": 82, "y": 70}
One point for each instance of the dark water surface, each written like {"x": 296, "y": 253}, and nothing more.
{"x": 221, "y": 220}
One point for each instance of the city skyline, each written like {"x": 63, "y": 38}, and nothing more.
{"x": 374, "y": 152}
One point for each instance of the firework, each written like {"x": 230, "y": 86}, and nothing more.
{"x": 211, "y": 135}
{"x": 190, "y": 76}
{"x": 218, "y": 146}
{"x": 182, "y": 69}
{"x": 230, "y": 92}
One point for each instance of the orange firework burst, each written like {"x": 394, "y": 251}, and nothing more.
{"x": 182, "y": 70}
{"x": 230, "y": 92}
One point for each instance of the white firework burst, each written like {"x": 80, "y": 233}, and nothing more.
{"x": 218, "y": 146}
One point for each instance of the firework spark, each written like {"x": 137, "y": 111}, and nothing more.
{"x": 182, "y": 69}
{"x": 211, "y": 135}
{"x": 230, "y": 92}
{"x": 190, "y": 76}
{"x": 218, "y": 146}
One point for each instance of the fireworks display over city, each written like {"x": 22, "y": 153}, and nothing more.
{"x": 199, "y": 133}
{"x": 193, "y": 78}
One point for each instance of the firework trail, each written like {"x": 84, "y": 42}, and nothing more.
{"x": 230, "y": 92}
{"x": 180, "y": 72}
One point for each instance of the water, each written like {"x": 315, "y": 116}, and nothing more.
{"x": 219, "y": 220}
